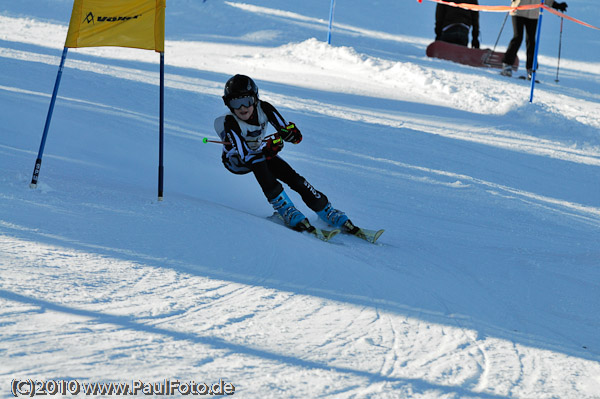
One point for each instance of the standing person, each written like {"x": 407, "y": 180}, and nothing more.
{"x": 525, "y": 19}
{"x": 247, "y": 148}
{"x": 452, "y": 24}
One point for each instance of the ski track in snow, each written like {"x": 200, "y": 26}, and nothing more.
{"x": 155, "y": 310}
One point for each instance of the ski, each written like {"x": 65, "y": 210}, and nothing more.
{"x": 366, "y": 234}
{"x": 306, "y": 226}
{"x": 369, "y": 235}
{"x": 527, "y": 78}
{"x": 324, "y": 235}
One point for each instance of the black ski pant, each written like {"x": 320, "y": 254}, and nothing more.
{"x": 530, "y": 27}
{"x": 268, "y": 174}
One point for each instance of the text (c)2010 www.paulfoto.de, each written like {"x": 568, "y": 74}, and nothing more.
{"x": 30, "y": 387}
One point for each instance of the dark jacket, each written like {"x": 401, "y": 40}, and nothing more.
{"x": 448, "y": 15}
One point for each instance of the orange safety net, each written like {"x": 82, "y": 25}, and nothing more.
{"x": 476, "y": 7}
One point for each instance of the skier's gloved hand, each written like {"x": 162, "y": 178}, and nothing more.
{"x": 475, "y": 43}
{"x": 273, "y": 146}
{"x": 291, "y": 133}
{"x": 562, "y": 7}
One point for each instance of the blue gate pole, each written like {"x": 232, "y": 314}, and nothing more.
{"x": 161, "y": 128}
{"x": 535, "y": 56}
{"x": 330, "y": 21}
{"x": 38, "y": 161}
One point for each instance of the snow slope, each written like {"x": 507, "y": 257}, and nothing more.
{"x": 484, "y": 285}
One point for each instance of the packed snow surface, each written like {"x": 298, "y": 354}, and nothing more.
{"x": 485, "y": 284}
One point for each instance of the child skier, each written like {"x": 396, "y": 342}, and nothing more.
{"x": 248, "y": 149}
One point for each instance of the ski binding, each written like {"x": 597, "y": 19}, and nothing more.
{"x": 306, "y": 226}
{"x": 368, "y": 235}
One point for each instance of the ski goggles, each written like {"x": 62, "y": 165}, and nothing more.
{"x": 237, "y": 103}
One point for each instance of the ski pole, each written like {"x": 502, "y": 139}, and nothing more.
{"x": 497, "y": 40}
{"x": 535, "y": 53}
{"x": 499, "y": 34}
{"x": 330, "y": 21}
{"x": 559, "y": 47}
{"x": 276, "y": 138}
{"x": 205, "y": 140}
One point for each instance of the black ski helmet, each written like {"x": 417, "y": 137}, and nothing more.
{"x": 239, "y": 86}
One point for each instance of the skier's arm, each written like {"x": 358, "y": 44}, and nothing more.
{"x": 274, "y": 117}
{"x": 287, "y": 130}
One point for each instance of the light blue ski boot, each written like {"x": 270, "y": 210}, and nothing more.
{"x": 286, "y": 209}
{"x": 333, "y": 216}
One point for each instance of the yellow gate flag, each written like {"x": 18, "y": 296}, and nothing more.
{"x": 120, "y": 23}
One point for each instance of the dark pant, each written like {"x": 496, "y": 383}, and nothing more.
{"x": 530, "y": 26}
{"x": 268, "y": 173}
{"x": 456, "y": 34}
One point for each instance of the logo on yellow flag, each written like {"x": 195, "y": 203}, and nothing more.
{"x": 89, "y": 18}
{"x": 120, "y": 23}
